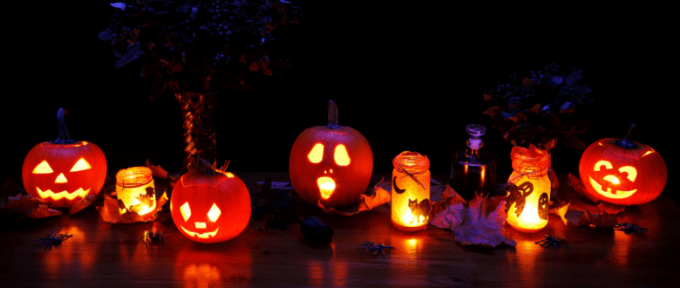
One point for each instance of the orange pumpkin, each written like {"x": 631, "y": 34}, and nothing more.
{"x": 64, "y": 171}
{"x": 330, "y": 163}
{"x": 209, "y": 205}
{"x": 622, "y": 171}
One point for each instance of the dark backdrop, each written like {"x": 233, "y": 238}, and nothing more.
{"x": 407, "y": 77}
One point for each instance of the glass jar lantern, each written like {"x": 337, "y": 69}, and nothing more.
{"x": 528, "y": 196}
{"x": 410, "y": 191}
{"x": 131, "y": 183}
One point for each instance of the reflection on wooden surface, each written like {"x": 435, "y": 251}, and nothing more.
{"x": 106, "y": 255}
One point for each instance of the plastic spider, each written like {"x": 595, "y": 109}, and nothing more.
{"x": 52, "y": 239}
{"x": 151, "y": 238}
{"x": 551, "y": 240}
{"x": 374, "y": 249}
{"x": 629, "y": 228}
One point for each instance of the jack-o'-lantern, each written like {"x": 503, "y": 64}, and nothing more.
{"x": 623, "y": 171}
{"x": 331, "y": 163}
{"x": 210, "y": 205}
{"x": 64, "y": 171}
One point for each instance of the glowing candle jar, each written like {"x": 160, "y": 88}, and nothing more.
{"x": 528, "y": 195}
{"x": 410, "y": 191}
{"x": 135, "y": 187}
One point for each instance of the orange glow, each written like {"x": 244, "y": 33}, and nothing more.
{"x": 620, "y": 194}
{"x": 43, "y": 168}
{"x": 632, "y": 172}
{"x": 199, "y": 225}
{"x": 326, "y": 186}
{"x": 81, "y": 165}
{"x": 61, "y": 179}
{"x": 185, "y": 210}
{"x": 612, "y": 179}
{"x": 214, "y": 213}
{"x": 648, "y": 152}
{"x": 205, "y": 235}
{"x": 341, "y": 157}
{"x": 606, "y": 164}
{"x": 202, "y": 275}
{"x": 316, "y": 155}
{"x": 229, "y": 175}
{"x": 80, "y": 193}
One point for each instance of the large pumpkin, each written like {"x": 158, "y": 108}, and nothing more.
{"x": 330, "y": 163}
{"x": 64, "y": 171}
{"x": 622, "y": 171}
{"x": 210, "y": 206}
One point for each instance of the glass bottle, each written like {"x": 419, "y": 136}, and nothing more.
{"x": 473, "y": 170}
{"x": 528, "y": 195}
{"x": 410, "y": 191}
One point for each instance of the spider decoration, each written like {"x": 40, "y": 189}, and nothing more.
{"x": 373, "y": 248}
{"x": 151, "y": 238}
{"x": 52, "y": 239}
{"x": 551, "y": 241}
{"x": 629, "y": 228}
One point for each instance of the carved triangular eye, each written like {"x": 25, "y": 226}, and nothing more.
{"x": 316, "y": 155}
{"x": 43, "y": 168}
{"x": 214, "y": 213}
{"x": 81, "y": 165}
{"x": 185, "y": 210}
{"x": 341, "y": 157}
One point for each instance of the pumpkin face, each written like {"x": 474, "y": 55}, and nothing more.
{"x": 630, "y": 176}
{"x": 63, "y": 174}
{"x": 330, "y": 163}
{"x": 210, "y": 208}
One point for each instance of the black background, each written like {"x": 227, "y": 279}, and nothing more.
{"x": 408, "y": 76}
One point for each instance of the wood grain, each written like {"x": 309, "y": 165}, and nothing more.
{"x": 106, "y": 255}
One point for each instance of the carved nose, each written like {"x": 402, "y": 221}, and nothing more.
{"x": 61, "y": 179}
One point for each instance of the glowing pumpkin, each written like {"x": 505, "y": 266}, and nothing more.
{"x": 209, "y": 205}
{"x": 330, "y": 163}
{"x": 64, "y": 171}
{"x": 623, "y": 171}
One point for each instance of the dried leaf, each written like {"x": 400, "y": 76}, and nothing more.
{"x": 157, "y": 170}
{"x": 114, "y": 211}
{"x": 132, "y": 52}
{"x": 42, "y": 211}
{"x": 82, "y": 204}
{"x": 23, "y": 203}
{"x": 611, "y": 208}
{"x": 365, "y": 202}
{"x": 489, "y": 100}
{"x": 561, "y": 211}
{"x": 491, "y": 111}
{"x": 576, "y": 183}
{"x": 571, "y": 141}
{"x": 473, "y": 225}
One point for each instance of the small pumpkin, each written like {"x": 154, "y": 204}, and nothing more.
{"x": 209, "y": 205}
{"x": 622, "y": 171}
{"x": 64, "y": 171}
{"x": 330, "y": 163}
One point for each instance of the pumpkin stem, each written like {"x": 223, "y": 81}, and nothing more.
{"x": 63, "y": 137}
{"x": 333, "y": 122}
{"x": 627, "y": 141}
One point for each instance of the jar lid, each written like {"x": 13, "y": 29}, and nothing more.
{"x": 411, "y": 161}
{"x": 134, "y": 177}
{"x": 529, "y": 160}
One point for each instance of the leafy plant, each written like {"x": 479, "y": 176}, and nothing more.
{"x": 541, "y": 108}
{"x": 200, "y": 46}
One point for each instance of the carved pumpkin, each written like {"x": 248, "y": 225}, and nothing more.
{"x": 64, "y": 171}
{"x": 622, "y": 171}
{"x": 331, "y": 163}
{"x": 209, "y": 205}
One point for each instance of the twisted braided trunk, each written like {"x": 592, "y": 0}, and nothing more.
{"x": 199, "y": 129}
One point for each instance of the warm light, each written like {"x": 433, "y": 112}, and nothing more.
{"x": 80, "y": 193}
{"x": 612, "y": 179}
{"x": 202, "y": 275}
{"x": 632, "y": 172}
{"x": 229, "y": 175}
{"x": 185, "y": 211}
{"x": 205, "y": 235}
{"x": 81, "y": 165}
{"x": 326, "y": 186}
{"x": 648, "y": 152}
{"x": 341, "y": 157}
{"x": 410, "y": 191}
{"x": 528, "y": 195}
{"x": 214, "y": 213}
{"x": 316, "y": 155}
{"x": 604, "y": 163}
{"x": 43, "y": 168}
{"x": 617, "y": 194}
{"x": 199, "y": 225}
{"x": 132, "y": 186}
{"x": 61, "y": 179}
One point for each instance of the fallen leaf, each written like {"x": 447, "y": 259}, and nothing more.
{"x": 472, "y": 225}
{"x": 82, "y": 204}
{"x": 114, "y": 211}
{"x": 579, "y": 218}
{"x": 561, "y": 211}
{"x": 449, "y": 197}
{"x": 365, "y": 202}
{"x": 576, "y": 183}
{"x": 23, "y": 203}
{"x": 42, "y": 211}
{"x": 157, "y": 170}
{"x": 611, "y": 208}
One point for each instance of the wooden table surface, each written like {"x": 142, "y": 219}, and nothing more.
{"x": 106, "y": 255}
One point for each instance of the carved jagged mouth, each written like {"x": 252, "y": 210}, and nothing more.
{"x": 326, "y": 186}
{"x": 205, "y": 235}
{"x": 80, "y": 193}
{"x": 618, "y": 194}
